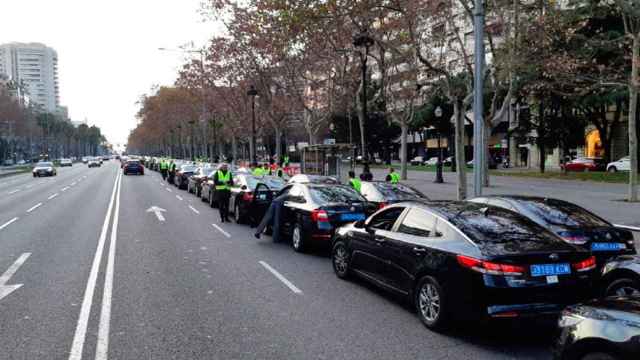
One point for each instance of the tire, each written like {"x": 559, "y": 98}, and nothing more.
{"x": 598, "y": 356}
{"x": 340, "y": 259}
{"x": 623, "y": 287}
{"x": 202, "y": 198}
{"x": 297, "y": 238}
{"x": 236, "y": 214}
{"x": 612, "y": 169}
{"x": 430, "y": 302}
{"x": 211, "y": 200}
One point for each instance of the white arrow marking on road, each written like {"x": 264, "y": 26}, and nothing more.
{"x": 34, "y": 207}
{"x": 158, "y": 211}
{"x": 194, "y": 209}
{"x": 8, "y": 223}
{"x": 8, "y": 289}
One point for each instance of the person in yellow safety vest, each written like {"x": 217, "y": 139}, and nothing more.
{"x": 257, "y": 171}
{"x": 163, "y": 169}
{"x": 223, "y": 181}
{"x": 285, "y": 161}
{"x": 355, "y": 183}
{"x": 393, "y": 177}
{"x": 265, "y": 169}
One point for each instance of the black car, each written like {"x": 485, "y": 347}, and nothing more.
{"x": 312, "y": 212}
{"x": 605, "y": 329}
{"x": 194, "y": 183}
{"x": 44, "y": 168}
{"x": 464, "y": 260}
{"x": 252, "y": 193}
{"x": 182, "y": 175}
{"x": 133, "y": 167}
{"x": 382, "y": 193}
{"x": 581, "y": 227}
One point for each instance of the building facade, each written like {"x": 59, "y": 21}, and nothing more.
{"x": 35, "y": 67}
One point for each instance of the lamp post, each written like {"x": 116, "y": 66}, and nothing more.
{"x": 439, "y": 179}
{"x": 252, "y": 146}
{"x": 364, "y": 40}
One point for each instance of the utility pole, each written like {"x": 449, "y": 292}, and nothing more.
{"x": 478, "y": 121}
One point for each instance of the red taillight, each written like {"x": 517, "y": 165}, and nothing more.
{"x": 585, "y": 265}
{"x": 381, "y": 205}
{"x": 319, "y": 216}
{"x": 487, "y": 267}
{"x": 247, "y": 196}
{"x": 508, "y": 314}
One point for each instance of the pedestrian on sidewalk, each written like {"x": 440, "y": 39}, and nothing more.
{"x": 223, "y": 181}
{"x": 393, "y": 176}
{"x": 354, "y": 182}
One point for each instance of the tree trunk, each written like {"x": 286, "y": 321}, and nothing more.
{"x": 487, "y": 154}
{"x": 234, "y": 149}
{"x": 543, "y": 156}
{"x": 460, "y": 158}
{"x": 633, "y": 108}
{"x": 361, "y": 120}
{"x": 404, "y": 127}
{"x": 278, "y": 131}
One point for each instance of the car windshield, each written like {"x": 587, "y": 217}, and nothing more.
{"x": 188, "y": 168}
{"x": 398, "y": 191}
{"x": 557, "y": 212}
{"x": 44, "y": 164}
{"x": 333, "y": 194}
{"x": 273, "y": 182}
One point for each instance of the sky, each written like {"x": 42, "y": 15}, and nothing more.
{"x": 108, "y": 50}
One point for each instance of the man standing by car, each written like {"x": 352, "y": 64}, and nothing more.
{"x": 257, "y": 171}
{"x": 223, "y": 181}
{"x": 163, "y": 169}
{"x": 393, "y": 177}
{"x": 354, "y": 182}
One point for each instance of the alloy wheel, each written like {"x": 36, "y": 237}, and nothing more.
{"x": 340, "y": 260}
{"x": 429, "y": 301}
{"x": 236, "y": 213}
{"x": 627, "y": 291}
{"x": 296, "y": 239}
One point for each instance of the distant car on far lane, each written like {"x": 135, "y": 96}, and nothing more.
{"x": 44, "y": 168}
{"x": 93, "y": 162}
{"x": 584, "y": 164}
{"x": 133, "y": 166}
{"x": 65, "y": 162}
{"x": 623, "y": 164}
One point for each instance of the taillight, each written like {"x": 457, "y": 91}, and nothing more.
{"x": 319, "y": 216}
{"x": 585, "y": 265}
{"x": 487, "y": 267}
{"x": 573, "y": 238}
{"x": 381, "y": 205}
{"x": 247, "y": 196}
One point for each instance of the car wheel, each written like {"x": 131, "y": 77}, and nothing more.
{"x": 202, "y": 197}
{"x": 612, "y": 169}
{"x": 236, "y": 213}
{"x": 297, "y": 239}
{"x": 623, "y": 287}
{"x": 598, "y": 356}
{"x": 211, "y": 200}
{"x": 340, "y": 259}
{"x": 431, "y": 304}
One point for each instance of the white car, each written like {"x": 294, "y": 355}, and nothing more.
{"x": 65, "y": 162}
{"x": 418, "y": 160}
{"x": 432, "y": 161}
{"x": 621, "y": 165}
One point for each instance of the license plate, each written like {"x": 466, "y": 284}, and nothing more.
{"x": 607, "y": 246}
{"x": 550, "y": 269}
{"x": 352, "y": 217}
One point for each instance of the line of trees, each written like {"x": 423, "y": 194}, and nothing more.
{"x": 28, "y": 134}
{"x": 572, "y": 62}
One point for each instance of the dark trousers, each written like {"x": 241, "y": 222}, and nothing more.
{"x": 272, "y": 217}
{"x": 164, "y": 173}
{"x": 223, "y": 203}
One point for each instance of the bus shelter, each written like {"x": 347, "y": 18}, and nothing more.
{"x": 329, "y": 160}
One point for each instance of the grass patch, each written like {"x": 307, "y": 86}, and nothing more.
{"x": 600, "y": 176}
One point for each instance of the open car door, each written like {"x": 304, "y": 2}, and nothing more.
{"x": 262, "y": 198}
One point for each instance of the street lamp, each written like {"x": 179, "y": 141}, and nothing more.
{"x": 252, "y": 148}
{"x": 439, "y": 179}
{"x": 364, "y": 40}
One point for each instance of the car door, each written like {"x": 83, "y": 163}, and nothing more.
{"x": 367, "y": 243}
{"x": 262, "y": 198}
{"x": 407, "y": 246}
{"x": 292, "y": 207}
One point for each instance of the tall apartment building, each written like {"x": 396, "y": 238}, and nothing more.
{"x": 35, "y": 66}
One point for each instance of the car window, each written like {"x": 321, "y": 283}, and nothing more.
{"x": 398, "y": 192}
{"x": 296, "y": 191}
{"x": 557, "y": 212}
{"x": 274, "y": 183}
{"x": 335, "y": 194}
{"x": 419, "y": 223}
{"x": 385, "y": 219}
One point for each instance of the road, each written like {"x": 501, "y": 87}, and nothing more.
{"x": 101, "y": 277}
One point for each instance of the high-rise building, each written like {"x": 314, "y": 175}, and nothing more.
{"x": 34, "y": 66}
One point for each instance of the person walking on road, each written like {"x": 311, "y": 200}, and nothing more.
{"x": 163, "y": 168}
{"x": 393, "y": 177}
{"x": 273, "y": 218}
{"x": 223, "y": 181}
{"x": 354, "y": 182}
{"x": 172, "y": 172}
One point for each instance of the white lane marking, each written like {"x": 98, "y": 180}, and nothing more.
{"x": 169, "y": 190}
{"x": 8, "y": 223}
{"x": 627, "y": 227}
{"x": 194, "y": 209}
{"x": 14, "y": 191}
{"x": 284, "y": 280}
{"x": 221, "y": 230}
{"x": 102, "y": 347}
{"x": 34, "y": 207}
{"x": 8, "y": 289}
{"x": 65, "y": 188}
{"x": 85, "y": 311}
{"x": 52, "y": 196}
{"x": 73, "y": 183}
{"x": 179, "y": 197}
{"x": 158, "y": 211}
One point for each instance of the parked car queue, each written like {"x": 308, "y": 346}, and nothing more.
{"x": 500, "y": 257}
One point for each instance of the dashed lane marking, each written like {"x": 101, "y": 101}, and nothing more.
{"x": 280, "y": 277}
{"x": 8, "y": 223}
{"x": 34, "y": 207}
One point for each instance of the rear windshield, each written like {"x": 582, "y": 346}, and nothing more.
{"x": 398, "y": 191}
{"x": 561, "y": 213}
{"x": 332, "y": 194}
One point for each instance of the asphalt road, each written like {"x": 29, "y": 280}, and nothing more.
{"x": 104, "y": 278}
